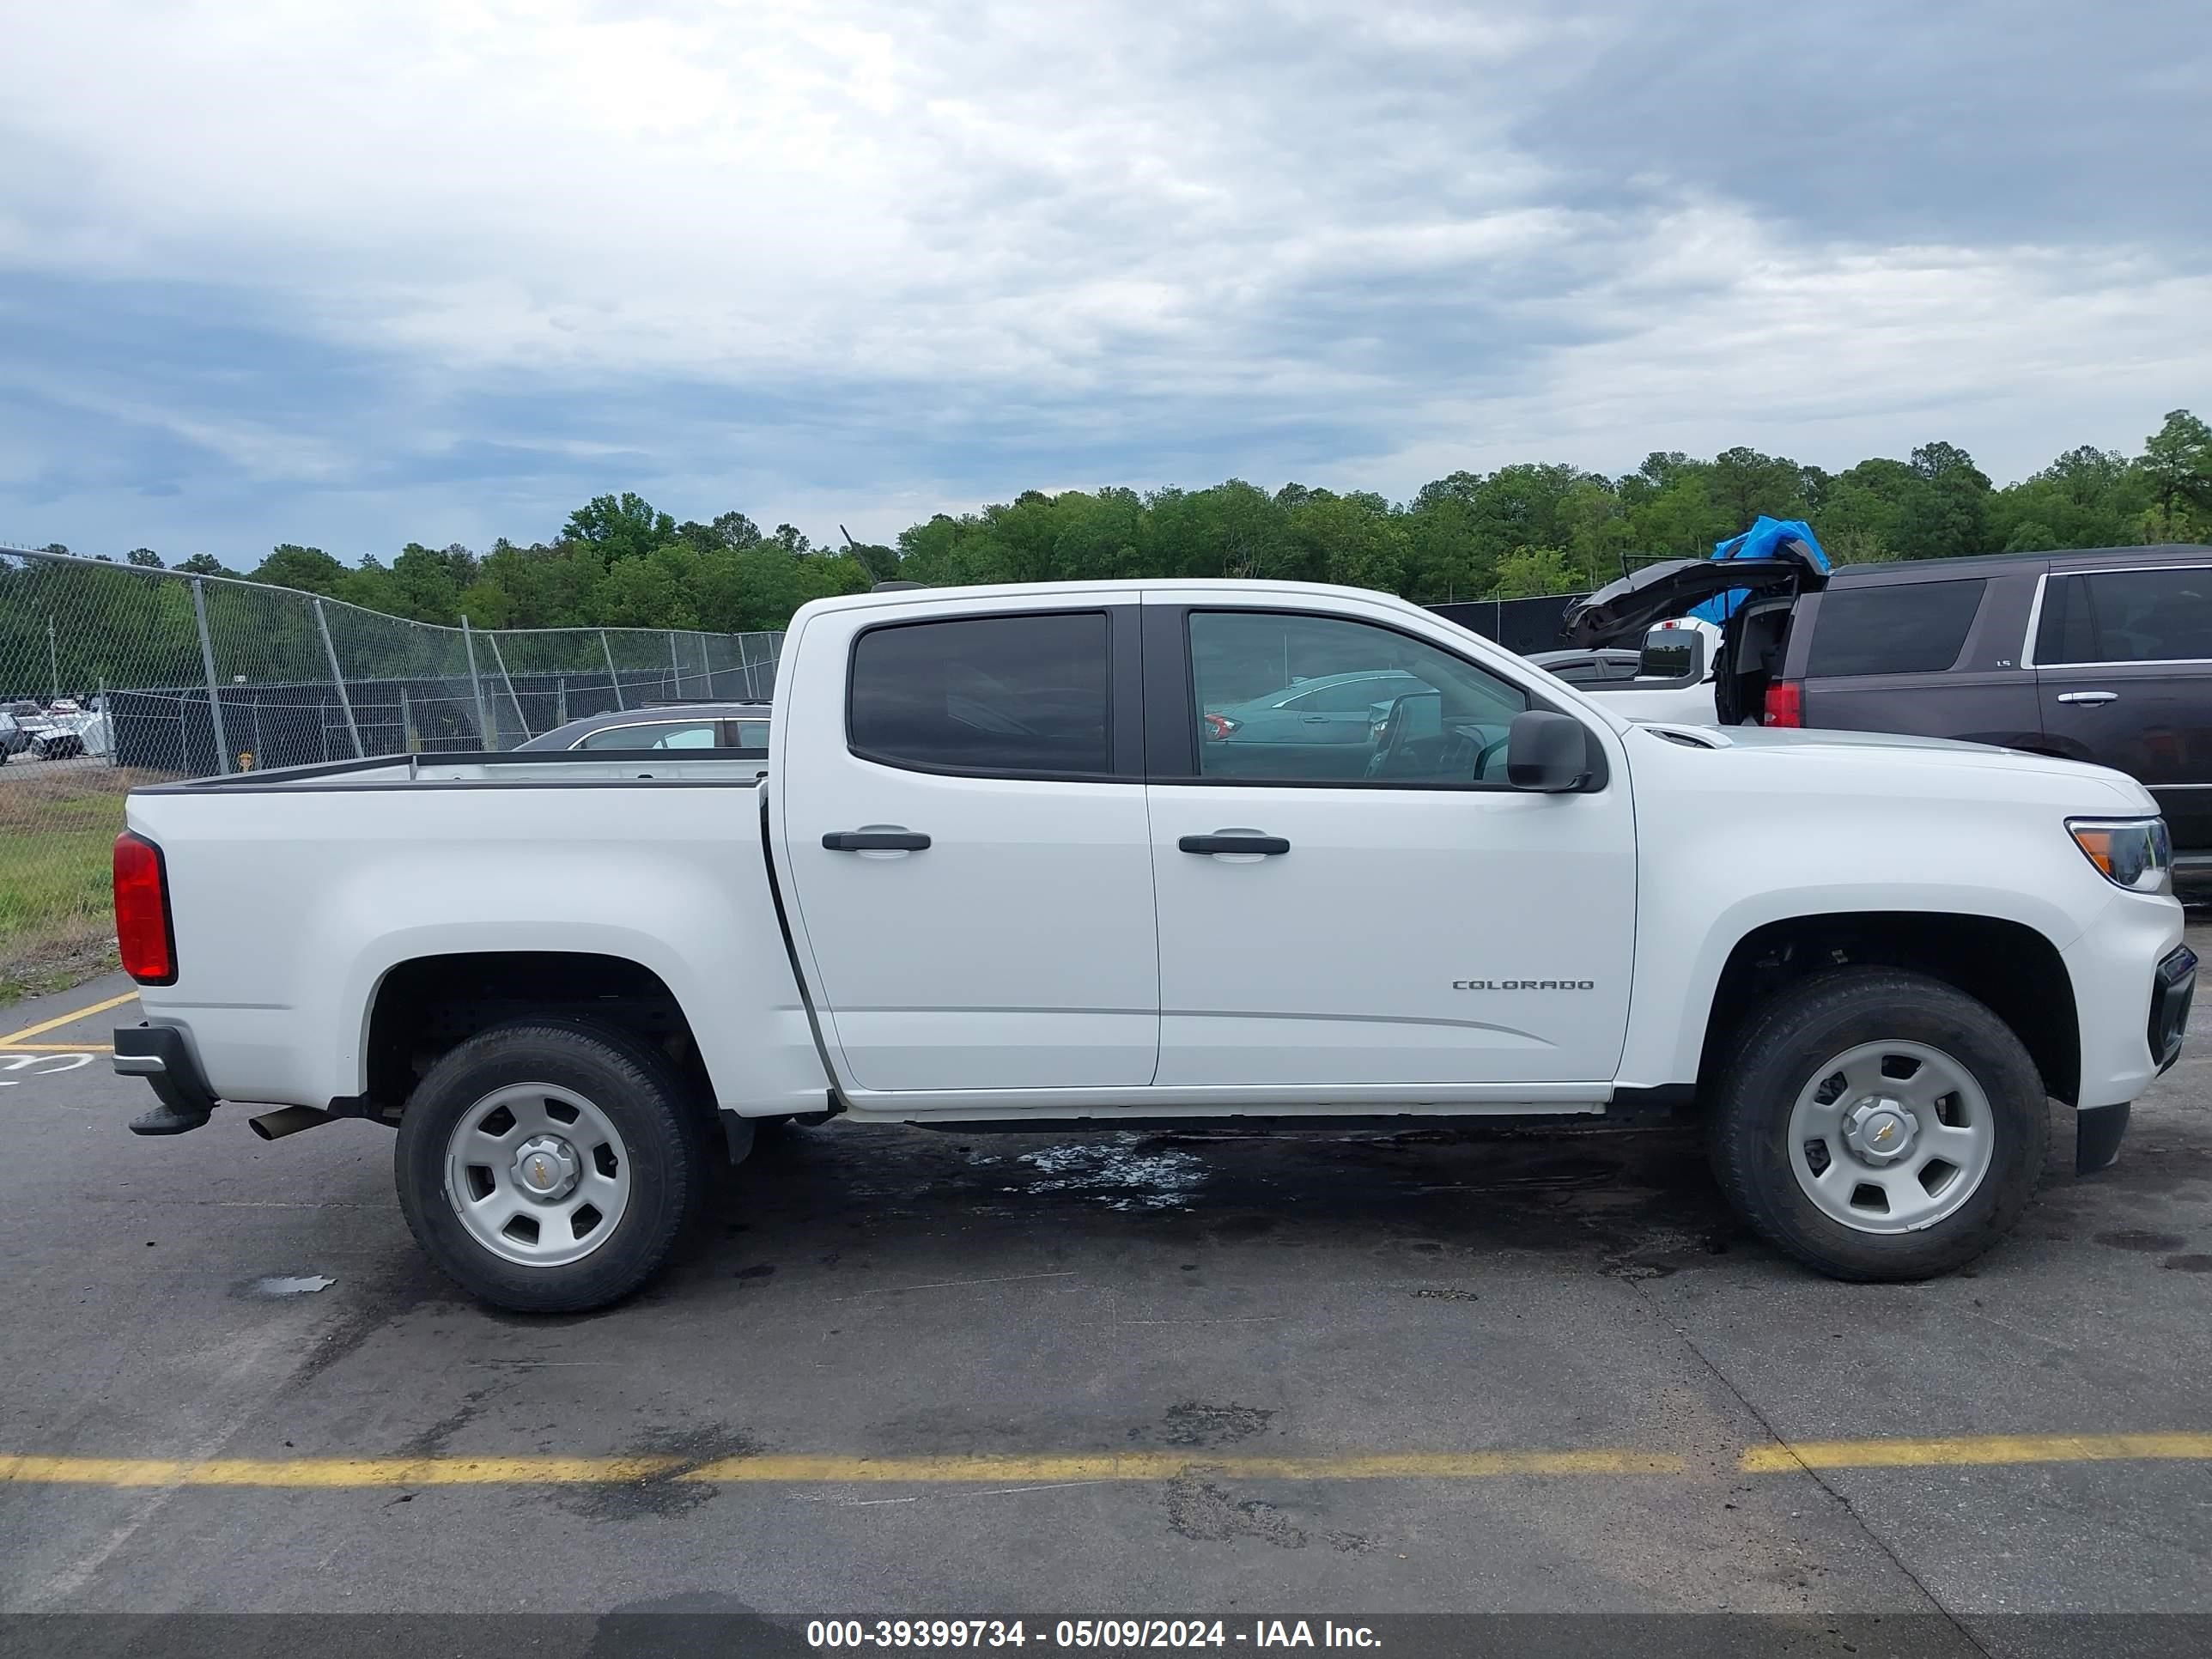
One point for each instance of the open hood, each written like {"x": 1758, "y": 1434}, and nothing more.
{"x": 1620, "y": 613}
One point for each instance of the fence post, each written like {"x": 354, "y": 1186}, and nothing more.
{"x": 476, "y": 686}
{"x": 107, "y": 713}
{"x": 614, "y": 678}
{"x": 337, "y": 679}
{"x": 560, "y": 704}
{"x": 406, "y": 725}
{"x": 675, "y": 667}
{"x": 500, "y": 657}
{"x": 207, "y": 665}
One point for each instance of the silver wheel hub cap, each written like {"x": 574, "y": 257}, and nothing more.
{"x": 538, "y": 1175}
{"x": 545, "y": 1167}
{"x": 1880, "y": 1130}
{"x": 1891, "y": 1137}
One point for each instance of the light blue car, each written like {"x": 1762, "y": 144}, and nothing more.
{"x": 1327, "y": 709}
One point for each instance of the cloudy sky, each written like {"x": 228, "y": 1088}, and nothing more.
{"x": 439, "y": 270}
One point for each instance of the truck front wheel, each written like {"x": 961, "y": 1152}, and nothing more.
{"x": 1879, "y": 1124}
{"x": 548, "y": 1167}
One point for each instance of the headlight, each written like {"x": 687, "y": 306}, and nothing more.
{"x": 2137, "y": 854}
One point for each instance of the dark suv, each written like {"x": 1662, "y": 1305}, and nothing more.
{"x": 2100, "y": 654}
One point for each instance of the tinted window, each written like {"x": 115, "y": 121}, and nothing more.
{"x": 1420, "y": 715}
{"x": 2128, "y": 616}
{"x": 750, "y": 734}
{"x": 1898, "y": 628}
{"x": 2065, "y": 634}
{"x": 1668, "y": 653}
{"x": 686, "y": 735}
{"x": 993, "y": 693}
{"x": 1580, "y": 670}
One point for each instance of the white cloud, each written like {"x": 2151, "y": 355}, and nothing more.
{"x": 862, "y": 256}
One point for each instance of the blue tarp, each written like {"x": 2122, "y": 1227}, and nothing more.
{"x": 1769, "y": 539}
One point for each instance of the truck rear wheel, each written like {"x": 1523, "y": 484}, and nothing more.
{"x": 548, "y": 1167}
{"x": 1878, "y": 1124}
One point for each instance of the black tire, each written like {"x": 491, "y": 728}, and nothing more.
{"x": 633, "y": 1085}
{"x": 1799, "y": 1030}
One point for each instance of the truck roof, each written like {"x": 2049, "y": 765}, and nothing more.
{"x": 1116, "y": 588}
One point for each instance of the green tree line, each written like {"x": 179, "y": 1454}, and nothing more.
{"x": 1525, "y": 529}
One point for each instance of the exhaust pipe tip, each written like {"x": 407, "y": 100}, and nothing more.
{"x": 287, "y": 1121}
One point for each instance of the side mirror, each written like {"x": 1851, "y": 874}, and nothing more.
{"x": 1545, "y": 752}
{"x": 1673, "y": 653}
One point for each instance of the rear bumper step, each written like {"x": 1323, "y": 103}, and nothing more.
{"x": 158, "y": 1054}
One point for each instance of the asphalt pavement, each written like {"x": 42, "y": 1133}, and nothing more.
{"x": 916, "y": 1373}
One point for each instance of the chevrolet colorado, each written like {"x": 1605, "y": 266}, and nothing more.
{"x": 1015, "y": 861}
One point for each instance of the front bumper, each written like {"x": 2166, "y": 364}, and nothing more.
{"x": 2100, "y": 1129}
{"x": 2172, "y": 992}
{"x": 159, "y": 1053}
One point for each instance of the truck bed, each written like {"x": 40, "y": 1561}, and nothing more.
{"x": 295, "y": 892}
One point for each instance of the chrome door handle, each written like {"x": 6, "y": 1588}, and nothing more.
{"x": 2087, "y": 696}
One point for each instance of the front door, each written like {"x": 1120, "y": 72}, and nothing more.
{"x": 965, "y": 841}
{"x": 2123, "y": 669}
{"x": 1409, "y": 919}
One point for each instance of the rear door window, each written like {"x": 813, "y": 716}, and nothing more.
{"x": 1896, "y": 628}
{"x": 2127, "y": 616}
{"x": 1001, "y": 696}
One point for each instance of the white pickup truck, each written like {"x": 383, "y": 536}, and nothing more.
{"x": 1068, "y": 856}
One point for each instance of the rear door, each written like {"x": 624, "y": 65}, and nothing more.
{"x": 966, "y": 845}
{"x": 2124, "y": 668}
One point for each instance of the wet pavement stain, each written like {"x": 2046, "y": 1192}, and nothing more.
{"x": 433, "y": 1440}
{"x": 2134, "y": 1238}
{"x": 1640, "y": 1200}
{"x": 665, "y": 1493}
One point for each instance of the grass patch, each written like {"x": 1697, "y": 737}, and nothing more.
{"x": 58, "y": 828}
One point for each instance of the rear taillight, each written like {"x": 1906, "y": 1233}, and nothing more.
{"x": 149, "y": 943}
{"x": 1218, "y": 726}
{"x": 1785, "y": 703}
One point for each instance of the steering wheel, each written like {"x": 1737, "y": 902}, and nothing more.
{"x": 1460, "y": 757}
{"x": 1384, "y": 762}
{"x": 1490, "y": 753}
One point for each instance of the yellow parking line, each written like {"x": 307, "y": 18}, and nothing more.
{"x": 329, "y": 1471}
{"x": 1977, "y": 1450}
{"x": 57, "y": 1049}
{"x": 14, "y": 1038}
{"x": 1166, "y": 1466}
{"x": 354, "y": 1472}
{"x": 1045, "y": 1467}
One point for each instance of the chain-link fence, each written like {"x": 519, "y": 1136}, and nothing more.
{"x": 113, "y": 675}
